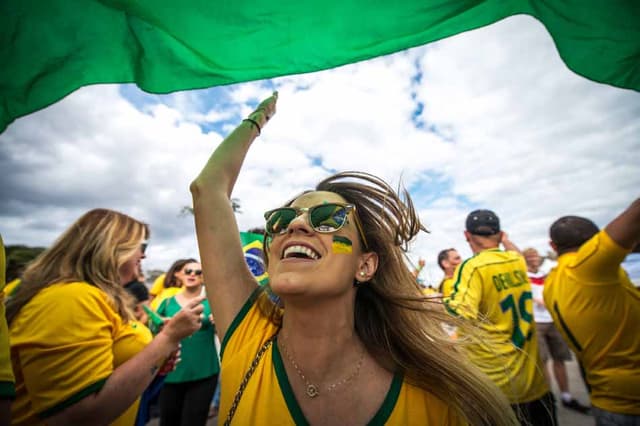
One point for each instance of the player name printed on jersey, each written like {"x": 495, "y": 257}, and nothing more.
{"x": 510, "y": 279}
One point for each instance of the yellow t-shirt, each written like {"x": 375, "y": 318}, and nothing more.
{"x": 65, "y": 343}
{"x": 429, "y": 291}
{"x": 492, "y": 287}
{"x": 446, "y": 286}
{"x": 268, "y": 398}
{"x": 7, "y": 387}
{"x": 158, "y": 285}
{"x": 164, "y": 294}
{"x": 10, "y": 287}
{"x": 597, "y": 310}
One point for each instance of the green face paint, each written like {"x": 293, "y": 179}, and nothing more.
{"x": 342, "y": 245}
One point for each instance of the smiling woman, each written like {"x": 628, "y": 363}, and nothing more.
{"x": 77, "y": 355}
{"x": 353, "y": 340}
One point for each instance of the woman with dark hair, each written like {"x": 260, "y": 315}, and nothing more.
{"x": 187, "y": 391}
{"x": 76, "y": 355}
{"x": 171, "y": 284}
{"x": 354, "y": 340}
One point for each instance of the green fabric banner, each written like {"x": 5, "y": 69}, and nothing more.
{"x": 50, "y": 48}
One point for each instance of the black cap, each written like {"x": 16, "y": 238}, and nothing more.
{"x": 483, "y": 222}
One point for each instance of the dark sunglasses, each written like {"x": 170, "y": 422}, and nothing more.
{"x": 323, "y": 218}
{"x": 143, "y": 247}
{"x": 193, "y": 271}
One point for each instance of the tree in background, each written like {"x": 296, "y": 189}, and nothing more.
{"x": 18, "y": 257}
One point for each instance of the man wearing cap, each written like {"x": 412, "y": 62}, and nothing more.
{"x": 597, "y": 309}
{"x": 492, "y": 287}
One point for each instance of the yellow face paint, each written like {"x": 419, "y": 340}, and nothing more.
{"x": 342, "y": 245}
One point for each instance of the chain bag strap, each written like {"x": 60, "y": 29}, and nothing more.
{"x": 247, "y": 376}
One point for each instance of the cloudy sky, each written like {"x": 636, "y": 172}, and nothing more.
{"x": 491, "y": 118}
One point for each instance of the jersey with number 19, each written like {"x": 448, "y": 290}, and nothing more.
{"x": 492, "y": 287}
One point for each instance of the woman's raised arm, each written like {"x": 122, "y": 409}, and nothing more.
{"x": 228, "y": 280}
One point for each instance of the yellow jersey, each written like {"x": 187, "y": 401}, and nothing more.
{"x": 164, "y": 294}
{"x": 11, "y": 287}
{"x": 268, "y": 398}
{"x": 492, "y": 289}
{"x": 158, "y": 285}
{"x": 7, "y": 387}
{"x": 446, "y": 286}
{"x": 597, "y": 310}
{"x": 65, "y": 343}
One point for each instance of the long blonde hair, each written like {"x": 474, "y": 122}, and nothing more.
{"x": 91, "y": 250}
{"x": 401, "y": 328}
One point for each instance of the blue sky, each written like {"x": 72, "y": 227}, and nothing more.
{"x": 491, "y": 118}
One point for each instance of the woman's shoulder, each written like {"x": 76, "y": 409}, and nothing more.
{"x": 422, "y": 402}
{"x": 78, "y": 303}
{"x": 69, "y": 292}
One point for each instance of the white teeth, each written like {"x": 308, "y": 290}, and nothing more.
{"x": 306, "y": 251}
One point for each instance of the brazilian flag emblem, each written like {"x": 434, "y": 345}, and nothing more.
{"x": 254, "y": 255}
{"x": 342, "y": 245}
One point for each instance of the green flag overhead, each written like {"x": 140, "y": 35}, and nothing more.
{"x": 49, "y": 48}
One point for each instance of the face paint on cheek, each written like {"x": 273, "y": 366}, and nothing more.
{"x": 342, "y": 245}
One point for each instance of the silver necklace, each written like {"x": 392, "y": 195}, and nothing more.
{"x": 313, "y": 390}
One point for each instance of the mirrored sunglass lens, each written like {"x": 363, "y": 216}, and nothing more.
{"x": 328, "y": 217}
{"x": 279, "y": 219}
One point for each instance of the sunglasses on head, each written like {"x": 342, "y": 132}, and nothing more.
{"x": 323, "y": 218}
{"x": 193, "y": 271}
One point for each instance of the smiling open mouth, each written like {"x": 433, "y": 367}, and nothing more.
{"x": 300, "y": 252}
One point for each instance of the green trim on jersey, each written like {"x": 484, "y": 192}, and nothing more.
{"x": 566, "y": 328}
{"x": 7, "y": 390}
{"x": 73, "y": 399}
{"x": 456, "y": 284}
{"x": 380, "y": 418}
{"x": 389, "y": 402}
{"x": 285, "y": 386}
{"x": 239, "y": 317}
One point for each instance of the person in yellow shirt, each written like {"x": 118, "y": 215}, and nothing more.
{"x": 10, "y": 287}
{"x": 76, "y": 356}
{"x": 157, "y": 286}
{"x": 596, "y": 308}
{"x": 492, "y": 288}
{"x": 448, "y": 261}
{"x": 172, "y": 283}
{"x": 352, "y": 339}
{"x": 7, "y": 381}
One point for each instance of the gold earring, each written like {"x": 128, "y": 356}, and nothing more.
{"x": 362, "y": 274}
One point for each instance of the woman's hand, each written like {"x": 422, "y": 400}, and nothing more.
{"x": 267, "y": 108}
{"x": 186, "y": 322}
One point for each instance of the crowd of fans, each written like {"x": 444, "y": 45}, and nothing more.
{"x": 341, "y": 331}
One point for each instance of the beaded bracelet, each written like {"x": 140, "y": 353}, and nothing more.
{"x": 255, "y": 123}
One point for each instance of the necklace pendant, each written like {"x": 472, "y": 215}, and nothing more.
{"x": 312, "y": 391}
